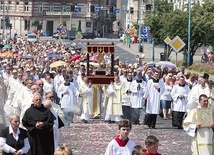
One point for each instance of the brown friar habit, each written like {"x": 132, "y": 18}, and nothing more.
{"x": 41, "y": 140}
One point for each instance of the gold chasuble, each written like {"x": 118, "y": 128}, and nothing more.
{"x": 202, "y": 137}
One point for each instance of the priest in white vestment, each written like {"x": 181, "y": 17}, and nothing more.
{"x": 86, "y": 93}
{"x": 210, "y": 93}
{"x": 26, "y": 98}
{"x": 58, "y": 80}
{"x": 68, "y": 93}
{"x": 202, "y": 137}
{"x": 12, "y": 88}
{"x": 154, "y": 89}
{"x": 114, "y": 105}
{"x": 194, "y": 94}
{"x": 126, "y": 97}
{"x": 57, "y": 123}
{"x": 137, "y": 89}
{"x": 57, "y": 108}
{"x": 16, "y": 106}
{"x": 179, "y": 95}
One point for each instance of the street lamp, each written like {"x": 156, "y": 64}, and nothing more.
{"x": 140, "y": 48}
{"x": 189, "y": 32}
{"x": 153, "y": 46}
{"x": 4, "y": 24}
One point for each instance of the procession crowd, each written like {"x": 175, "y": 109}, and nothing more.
{"x": 42, "y": 96}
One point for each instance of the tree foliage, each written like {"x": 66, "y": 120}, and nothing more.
{"x": 35, "y": 23}
{"x": 167, "y": 23}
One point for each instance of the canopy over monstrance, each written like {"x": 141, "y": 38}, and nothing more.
{"x": 100, "y": 50}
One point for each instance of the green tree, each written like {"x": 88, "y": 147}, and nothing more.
{"x": 36, "y": 24}
{"x": 173, "y": 23}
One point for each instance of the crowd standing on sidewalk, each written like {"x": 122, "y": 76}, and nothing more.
{"x": 29, "y": 73}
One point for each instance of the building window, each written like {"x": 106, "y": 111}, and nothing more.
{"x": 9, "y": 5}
{"x": 50, "y": 7}
{"x": 27, "y": 24}
{"x": 17, "y": 6}
{"x": 26, "y": 6}
{"x": 2, "y": 5}
{"x": 63, "y": 7}
{"x": 40, "y": 7}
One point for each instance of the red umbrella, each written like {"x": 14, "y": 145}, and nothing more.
{"x": 18, "y": 54}
{"x": 74, "y": 58}
{"x": 93, "y": 58}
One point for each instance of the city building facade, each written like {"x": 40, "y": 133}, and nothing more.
{"x": 26, "y": 16}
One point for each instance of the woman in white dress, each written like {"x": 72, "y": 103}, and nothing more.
{"x": 48, "y": 84}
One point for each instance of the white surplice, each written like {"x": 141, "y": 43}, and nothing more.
{"x": 153, "y": 96}
{"x": 114, "y": 149}
{"x": 210, "y": 93}
{"x": 86, "y": 99}
{"x": 193, "y": 98}
{"x": 125, "y": 95}
{"x": 55, "y": 129}
{"x": 179, "y": 104}
{"x": 136, "y": 97}
{"x": 67, "y": 100}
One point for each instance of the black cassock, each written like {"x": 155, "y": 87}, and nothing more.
{"x": 41, "y": 140}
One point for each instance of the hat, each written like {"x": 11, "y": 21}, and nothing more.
{"x": 129, "y": 65}
{"x": 28, "y": 70}
{"x": 19, "y": 73}
{"x": 14, "y": 71}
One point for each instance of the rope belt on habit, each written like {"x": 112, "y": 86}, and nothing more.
{"x": 205, "y": 144}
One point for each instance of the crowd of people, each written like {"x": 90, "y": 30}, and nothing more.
{"x": 48, "y": 98}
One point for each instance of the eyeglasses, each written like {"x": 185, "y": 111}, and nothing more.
{"x": 40, "y": 84}
{"x": 49, "y": 97}
{"x": 144, "y": 150}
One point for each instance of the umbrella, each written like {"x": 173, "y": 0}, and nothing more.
{"x": 27, "y": 57}
{"x": 93, "y": 58}
{"x": 151, "y": 63}
{"x": 18, "y": 54}
{"x": 167, "y": 64}
{"x": 6, "y": 54}
{"x": 53, "y": 55}
{"x": 6, "y": 46}
{"x": 58, "y": 63}
{"x": 76, "y": 57}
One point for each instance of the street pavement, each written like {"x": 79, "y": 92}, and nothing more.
{"x": 93, "y": 138}
{"x": 147, "y": 51}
